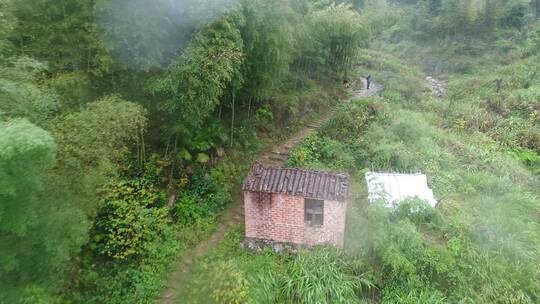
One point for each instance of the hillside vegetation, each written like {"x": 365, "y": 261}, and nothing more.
{"x": 477, "y": 144}
{"x": 126, "y": 128}
{"x": 480, "y": 245}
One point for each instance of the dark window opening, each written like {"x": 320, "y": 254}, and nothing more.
{"x": 313, "y": 212}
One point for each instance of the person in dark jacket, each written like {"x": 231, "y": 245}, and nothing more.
{"x": 368, "y": 80}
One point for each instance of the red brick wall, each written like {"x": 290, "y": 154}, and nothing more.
{"x": 281, "y": 218}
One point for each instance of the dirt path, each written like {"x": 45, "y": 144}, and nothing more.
{"x": 235, "y": 215}
{"x": 364, "y": 93}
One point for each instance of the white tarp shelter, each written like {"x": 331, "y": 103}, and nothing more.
{"x": 395, "y": 187}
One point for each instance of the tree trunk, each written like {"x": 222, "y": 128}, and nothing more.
{"x": 232, "y": 118}
{"x": 171, "y": 193}
{"x": 249, "y": 108}
{"x": 171, "y": 188}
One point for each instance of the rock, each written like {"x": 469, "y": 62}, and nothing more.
{"x": 436, "y": 86}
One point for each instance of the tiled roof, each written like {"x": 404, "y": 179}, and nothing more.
{"x": 298, "y": 182}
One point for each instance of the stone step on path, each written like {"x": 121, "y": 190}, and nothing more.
{"x": 281, "y": 150}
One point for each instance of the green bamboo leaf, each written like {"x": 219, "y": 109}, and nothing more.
{"x": 203, "y": 158}
{"x": 184, "y": 154}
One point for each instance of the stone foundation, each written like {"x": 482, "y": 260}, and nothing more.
{"x": 258, "y": 245}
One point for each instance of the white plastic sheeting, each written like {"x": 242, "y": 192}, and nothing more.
{"x": 395, "y": 187}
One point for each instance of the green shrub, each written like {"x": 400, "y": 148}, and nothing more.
{"x": 191, "y": 208}
{"x": 321, "y": 152}
{"x": 264, "y": 118}
{"x": 428, "y": 296}
{"x": 218, "y": 281}
{"x": 208, "y": 192}
{"x": 515, "y": 14}
{"x": 131, "y": 217}
{"x": 352, "y": 120}
{"x": 528, "y": 157}
{"x": 319, "y": 276}
{"x": 128, "y": 282}
{"x": 229, "y": 284}
{"x": 331, "y": 39}
{"x": 419, "y": 212}
{"x": 530, "y": 139}
{"x": 532, "y": 44}
{"x": 136, "y": 281}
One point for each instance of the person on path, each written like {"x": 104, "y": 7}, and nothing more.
{"x": 498, "y": 84}
{"x": 368, "y": 80}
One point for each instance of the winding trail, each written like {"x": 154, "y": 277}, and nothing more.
{"x": 274, "y": 155}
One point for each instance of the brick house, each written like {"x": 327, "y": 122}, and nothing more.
{"x": 295, "y": 205}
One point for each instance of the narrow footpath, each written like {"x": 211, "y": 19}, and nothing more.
{"x": 276, "y": 155}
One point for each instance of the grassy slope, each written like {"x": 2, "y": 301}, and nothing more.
{"x": 488, "y": 249}
{"x": 482, "y": 245}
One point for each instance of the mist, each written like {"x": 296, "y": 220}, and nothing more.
{"x": 147, "y": 34}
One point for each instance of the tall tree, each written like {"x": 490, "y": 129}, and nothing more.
{"x": 330, "y": 40}
{"x": 457, "y": 18}
{"x": 91, "y": 145}
{"x": 37, "y": 236}
{"x": 21, "y": 96}
{"x": 61, "y": 33}
{"x": 268, "y": 45}
{"x": 195, "y": 83}
{"x": 7, "y": 23}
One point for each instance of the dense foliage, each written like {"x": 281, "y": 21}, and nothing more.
{"x": 480, "y": 245}
{"x": 26, "y": 252}
{"x": 477, "y": 144}
{"x": 488, "y": 200}
{"x": 126, "y": 127}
